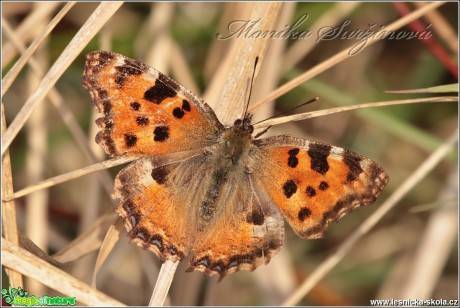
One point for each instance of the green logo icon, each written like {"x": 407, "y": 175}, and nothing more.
{"x": 10, "y": 293}
{"x": 19, "y": 297}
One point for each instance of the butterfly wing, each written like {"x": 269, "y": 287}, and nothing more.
{"x": 247, "y": 232}
{"x": 155, "y": 215}
{"x": 145, "y": 112}
{"x": 313, "y": 183}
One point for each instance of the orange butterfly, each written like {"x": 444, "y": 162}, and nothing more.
{"x": 211, "y": 192}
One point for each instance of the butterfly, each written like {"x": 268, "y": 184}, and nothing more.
{"x": 212, "y": 193}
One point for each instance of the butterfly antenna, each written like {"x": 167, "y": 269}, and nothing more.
{"x": 289, "y": 110}
{"x": 250, "y": 85}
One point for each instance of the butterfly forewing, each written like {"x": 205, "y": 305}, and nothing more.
{"x": 146, "y": 112}
{"x": 312, "y": 183}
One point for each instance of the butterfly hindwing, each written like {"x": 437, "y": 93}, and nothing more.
{"x": 245, "y": 234}
{"x": 312, "y": 183}
{"x": 145, "y": 112}
{"x": 147, "y": 199}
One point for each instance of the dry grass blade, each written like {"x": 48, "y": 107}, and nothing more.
{"x": 18, "y": 65}
{"x": 369, "y": 223}
{"x": 27, "y": 244}
{"x": 442, "y": 28}
{"x": 69, "y": 176}
{"x": 432, "y": 254}
{"x": 37, "y": 221}
{"x": 300, "y": 48}
{"x": 111, "y": 238}
{"x": 165, "y": 278}
{"x": 101, "y": 15}
{"x": 159, "y": 50}
{"x": 28, "y": 264}
{"x": 231, "y": 105}
{"x": 316, "y": 70}
{"x": 26, "y": 29}
{"x": 319, "y": 113}
{"x": 9, "y": 225}
{"x": 450, "y": 88}
{"x": 87, "y": 242}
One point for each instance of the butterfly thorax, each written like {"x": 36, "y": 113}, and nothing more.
{"x": 229, "y": 163}
{"x": 235, "y": 142}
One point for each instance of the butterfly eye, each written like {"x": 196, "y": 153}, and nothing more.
{"x": 238, "y": 122}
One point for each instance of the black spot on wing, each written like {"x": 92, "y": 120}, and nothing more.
{"x": 178, "y": 113}
{"x": 292, "y": 159}
{"x": 293, "y": 152}
{"x": 135, "y": 105}
{"x": 130, "y": 68}
{"x": 311, "y": 192}
{"x": 304, "y": 213}
{"x": 256, "y": 218}
{"x": 161, "y": 133}
{"x": 186, "y": 105}
{"x": 130, "y": 140}
{"x": 289, "y": 188}
{"x": 352, "y": 162}
{"x": 160, "y": 174}
{"x": 323, "y": 186}
{"x": 162, "y": 89}
{"x": 142, "y": 121}
{"x": 318, "y": 154}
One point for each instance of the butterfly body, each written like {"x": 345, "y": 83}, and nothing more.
{"x": 213, "y": 193}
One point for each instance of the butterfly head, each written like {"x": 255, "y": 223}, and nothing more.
{"x": 244, "y": 125}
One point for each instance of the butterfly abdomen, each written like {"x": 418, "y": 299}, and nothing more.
{"x": 228, "y": 162}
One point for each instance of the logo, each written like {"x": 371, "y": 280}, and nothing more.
{"x": 19, "y": 297}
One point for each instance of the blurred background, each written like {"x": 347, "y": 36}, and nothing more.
{"x": 181, "y": 40}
